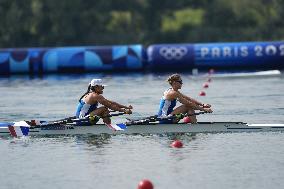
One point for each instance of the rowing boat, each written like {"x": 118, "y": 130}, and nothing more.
{"x": 152, "y": 128}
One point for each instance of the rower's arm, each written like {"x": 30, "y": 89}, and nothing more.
{"x": 195, "y": 101}
{"x": 109, "y": 104}
{"x": 120, "y": 105}
{"x": 190, "y": 103}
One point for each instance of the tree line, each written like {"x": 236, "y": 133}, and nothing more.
{"x": 50, "y": 23}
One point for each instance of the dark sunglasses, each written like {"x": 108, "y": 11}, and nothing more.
{"x": 100, "y": 86}
{"x": 180, "y": 81}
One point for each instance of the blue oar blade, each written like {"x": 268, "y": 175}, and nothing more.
{"x": 25, "y": 130}
{"x": 121, "y": 125}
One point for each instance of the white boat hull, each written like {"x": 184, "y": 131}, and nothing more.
{"x": 201, "y": 127}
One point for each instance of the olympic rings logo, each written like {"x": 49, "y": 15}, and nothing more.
{"x": 171, "y": 53}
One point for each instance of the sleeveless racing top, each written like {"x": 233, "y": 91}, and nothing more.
{"x": 166, "y": 106}
{"x": 84, "y": 109}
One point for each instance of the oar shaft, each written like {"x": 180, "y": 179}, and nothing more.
{"x": 74, "y": 119}
{"x": 157, "y": 118}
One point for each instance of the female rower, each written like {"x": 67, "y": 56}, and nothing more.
{"x": 88, "y": 103}
{"x": 189, "y": 105}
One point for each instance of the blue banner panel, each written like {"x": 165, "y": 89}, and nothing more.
{"x": 170, "y": 56}
{"x": 255, "y": 55}
{"x": 35, "y": 62}
{"x": 71, "y": 59}
{"x": 4, "y": 62}
{"x": 157, "y": 57}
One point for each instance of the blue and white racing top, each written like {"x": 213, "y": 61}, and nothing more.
{"x": 166, "y": 106}
{"x": 84, "y": 109}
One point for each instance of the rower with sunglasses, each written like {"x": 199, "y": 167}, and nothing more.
{"x": 170, "y": 97}
{"x": 88, "y": 103}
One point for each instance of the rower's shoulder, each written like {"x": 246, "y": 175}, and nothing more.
{"x": 94, "y": 98}
{"x": 95, "y": 95}
{"x": 171, "y": 93}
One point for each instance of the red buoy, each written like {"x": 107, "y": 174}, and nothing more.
{"x": 205, "y": 85}
{"x": 186, "y": 120}
{"x": 145, "y": 184}
{"x": 202, "y": 93}
{"x": 177, "y": 144}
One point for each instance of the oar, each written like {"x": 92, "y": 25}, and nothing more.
{"x": 144, "y": 118}
{"x": 78, "y": 120}
{"x": 186, "y": 114}
{"x": 21, "y": 128}
{"x": 88, "y": 117}
{"x": 73, "y": 118}
{"x": 155, "y": 118}
{"x": 113, "y": 126}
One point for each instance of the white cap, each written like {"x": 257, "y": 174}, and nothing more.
{"x": 95, "y": 82}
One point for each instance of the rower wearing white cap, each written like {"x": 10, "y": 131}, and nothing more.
{"x": 89, "y": 102}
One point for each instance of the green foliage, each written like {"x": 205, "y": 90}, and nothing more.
{"x": 182, "y": 18}
{"x": 32, "y": 23}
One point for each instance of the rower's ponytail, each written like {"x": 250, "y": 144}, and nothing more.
{"x": 89, "y": 89}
